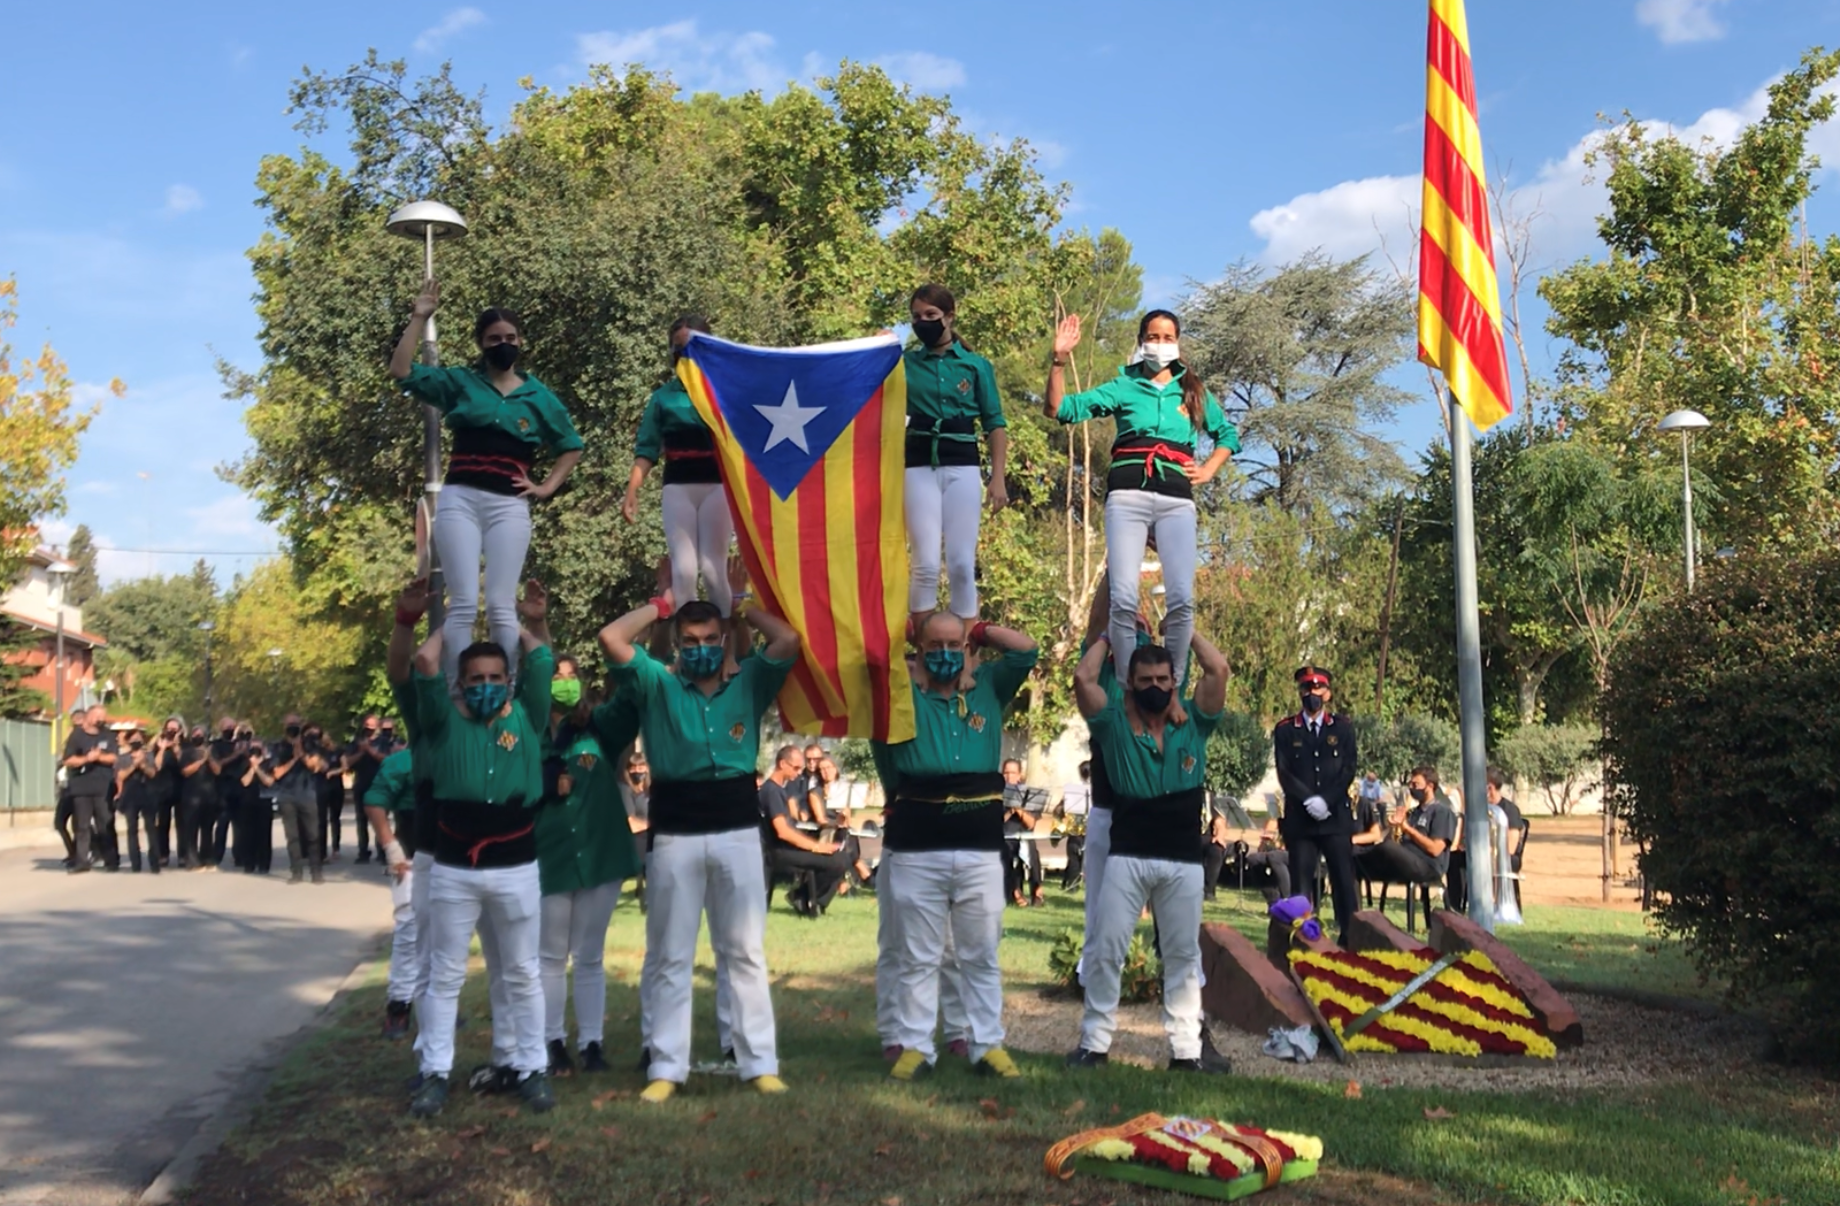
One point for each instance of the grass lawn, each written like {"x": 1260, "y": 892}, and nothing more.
{"x": 334, "y": 1128}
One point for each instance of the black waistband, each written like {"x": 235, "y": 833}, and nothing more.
{"x": 1164, "y": 827}
{"x": 940, "y": 442}
{"x": 468, "y": 833}
{"x": 939, "y": 789}
{"x": 487, "y": 458}
{"x": 705, "y": 805}
{"x": 1141, "y": 464}
{"x": 947, "y": 812}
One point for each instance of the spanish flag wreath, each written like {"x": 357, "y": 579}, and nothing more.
{"x": 1196, "y": 1156}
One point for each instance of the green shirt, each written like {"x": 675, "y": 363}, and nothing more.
{"x": 583, "y": 839}
{"x": 1158, "y": 796}
{"x": 693, "y": 737}
{"x": 498, "y": 762}
{"x": 669, "y": 414}
{"x": 530, "y": 412}
{"x": 1147, "y": 412}
{"x": 955, "y": 383}
{"x": 393, "y": 787}
{"x": 957, "y": 734}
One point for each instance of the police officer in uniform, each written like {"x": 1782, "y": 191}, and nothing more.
{"x": 1316, "y": 759}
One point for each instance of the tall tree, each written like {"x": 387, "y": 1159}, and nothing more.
{"x": 83, "y": 585}
{"x": 40, "y": 425}
{"x": 1711, "y": 298}
{"x": 1299, "y": 356}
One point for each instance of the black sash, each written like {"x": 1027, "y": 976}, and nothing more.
{"x": 705, "y": 805}
{"x": 690, "y": 458}
{"x": 468, "y": 833}
{"x": 1166, "y": 827}
{"x": 947, "y": 812}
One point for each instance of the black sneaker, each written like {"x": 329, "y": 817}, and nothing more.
{"x": 1211, "y": 1058}
{"x": 488, "y": 1079}
{"x": 1199, "y": 1065}
{"x": 536, "y": 1092}
{"x": 429, "y": 1098}
{"x": 1082, "y": 1058}
{"x": 560, "y": 1063}
{"x": 645, "y": 1059}
{"x": 396, "y": 1020}
{"x": 592, "y": 1060}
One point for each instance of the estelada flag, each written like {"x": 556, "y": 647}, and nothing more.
{"x": 810, "y": 441}
{"x": 1459, "y": 301}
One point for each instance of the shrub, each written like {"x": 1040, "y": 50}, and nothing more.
{"x": 1724, "y": 755}
{"x": 1392, "y": 748}
{"x": 1239, "y": 755}
{"x": 1143, "y": 971}
{"x": 1559, "y": 759}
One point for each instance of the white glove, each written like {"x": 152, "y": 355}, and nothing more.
{"x": 1317, "y": 807}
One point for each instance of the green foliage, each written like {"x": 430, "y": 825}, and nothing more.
{"x": 1559, "y": 759}
{"x": 855, "y": 760}
{"x": 1392, "y": 747}
{"x": 16, "y": 699}
{"x": 1299, "y": 358}
{"x": 83, "y": 585}
{"x": 1238, "y": 755}
{"x": 1710, "y": 299}
{"x": 1141, "y": 981}
{"x": 149, "y": 619}
{"x": 1724, "y": 761}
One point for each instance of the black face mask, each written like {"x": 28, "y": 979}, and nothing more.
{"x": 293, "y": 730}
{"x": 1312, "y": 703}
{"x": 929, "y": 330}
{"x": 1152, "y": 701}
{"x": 502, "y": 356}
{"x": 1421, "y": 794}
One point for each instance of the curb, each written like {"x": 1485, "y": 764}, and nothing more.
{"x": 239, "y": 1102}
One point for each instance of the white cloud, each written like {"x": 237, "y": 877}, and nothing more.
{"x": 232, "y": 516}
{"x": 714, "y": 62}
{"x": 182, "y": 199}
{"x": 926, "y": 71}
{"x": 1341, "y": 220}
{"x": 1676, "y": 21}
{"x": 456, "y": 22}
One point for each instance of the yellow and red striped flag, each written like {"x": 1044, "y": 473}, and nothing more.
{"x": 1459, "y": 302}
{"x": 811, "y": 445}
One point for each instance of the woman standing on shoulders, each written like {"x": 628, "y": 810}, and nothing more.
{"x": 502, "y": 419}
{"x": 1162, "y": 410}
{"x": 697, "y": 525}
{"x": 951, "y": 391}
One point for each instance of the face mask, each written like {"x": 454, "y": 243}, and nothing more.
{"x": 700, "y": 661}
{"x": 1159, "y": 356}
{"x": 1312, "y": 703}
{"x": 1152, "y": 701}
{"x": 565, "y": 691}
{"x": 945, "y": 665}
{"x": 929, "y": 330}
{"x": 1421, "y": 794}
{"x": 293, "y": 730}
{"x": 502, "y": 356}
{"x": 484, "y": 700}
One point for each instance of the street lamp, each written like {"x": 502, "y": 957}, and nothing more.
{"x": 428, "y": 221}
{"x": 59, "y": 572}
{"x": 206, "y": 627}
{"x": 1686, "y": 422}
{"x": 274, "y": 672}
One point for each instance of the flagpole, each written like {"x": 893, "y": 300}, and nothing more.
{"x": 1476, "y": 844}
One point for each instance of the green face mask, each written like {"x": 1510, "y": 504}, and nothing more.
{"x": 565, "y": 692}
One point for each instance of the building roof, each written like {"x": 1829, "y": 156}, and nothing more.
{"x": 70, "y": 634}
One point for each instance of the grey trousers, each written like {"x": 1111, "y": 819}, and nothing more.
{"x": 1130, "y": 517}
{"x": 300, "y": 822}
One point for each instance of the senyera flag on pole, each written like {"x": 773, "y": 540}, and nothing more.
{"x": 1459, "y": 302}
{"x": 810, "y": 443}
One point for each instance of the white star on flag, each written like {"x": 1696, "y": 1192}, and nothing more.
{"x": 789, "y": 420}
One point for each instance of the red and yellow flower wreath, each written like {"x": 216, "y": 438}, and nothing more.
{"x": 1469, "y": 1009}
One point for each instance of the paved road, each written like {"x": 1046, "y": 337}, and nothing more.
{"x": 132, "y": 1005}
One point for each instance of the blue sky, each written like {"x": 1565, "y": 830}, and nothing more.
{"x": 1205, "y": 130}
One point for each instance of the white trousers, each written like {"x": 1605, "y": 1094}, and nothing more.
{"x": 943, "y": 507}
{"x": 940, "y": 892}
{"x": 697, "y": 530}
{"x": 1131, "y": 517}
{"x": 471, "y": 523}
{"x": 575, "y": 924}
{"x": 405, "y": 954}
{"x": 1173, "y": 891}
{"x": 507, "y": 899}
{"x": 723, "y": 875}
{"x": 1097, "y": 849}
{"x": 952, "y": 1024}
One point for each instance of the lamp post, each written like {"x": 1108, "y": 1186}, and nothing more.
{"x": 274, "y": 672}
{"x": 207, "y": 627}
{"x": 428, "y": 221}
{"x": 1686, "y": 422}
{"x": 59, "y": 572}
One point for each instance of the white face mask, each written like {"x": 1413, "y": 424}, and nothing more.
{"x": 1158, "y": 356}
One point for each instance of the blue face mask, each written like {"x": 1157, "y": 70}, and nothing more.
{"x": 945, "y": 665}
{"x": 484, "y": 700}
{"x": 700, "y": 661}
